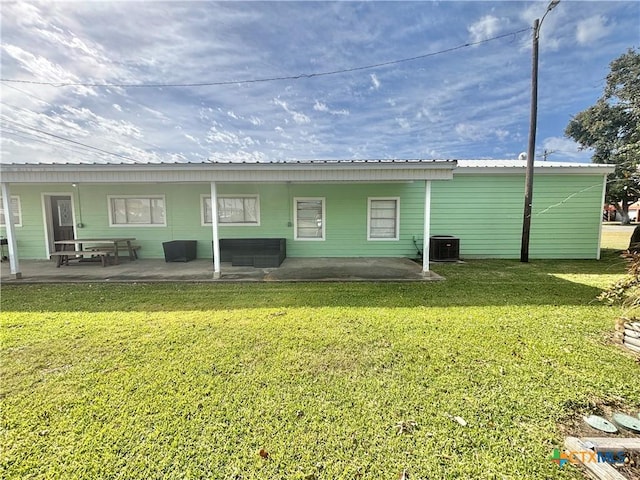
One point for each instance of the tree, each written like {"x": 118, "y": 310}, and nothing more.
{"x": 612, "y": 129}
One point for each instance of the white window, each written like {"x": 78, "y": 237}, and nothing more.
{"x": 134, "y": 210}
{"x": 16, "y": 210}
{"x": 383, "y": 222}
{"x": 233, "y": 210}
{"x": 309, "y": 220}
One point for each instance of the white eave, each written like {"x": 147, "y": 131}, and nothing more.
{"x": 302, "y": 171}
{"x": 518, "y": 167}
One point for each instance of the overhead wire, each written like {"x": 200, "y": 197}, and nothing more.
{"x": 71, "y": 141}
{"x": 78, "y": 128}
{"x": 269, "y": 79}
{"x": 32, "y": 137}
{"x": 53, "y": 142}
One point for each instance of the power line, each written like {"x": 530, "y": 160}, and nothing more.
{"x": 79, "y": 129}
{"x": 270, "y": 79}
{"x": 71, "y": 141}
{"x": 32, "y": 137}
{"x": 28, "y": 94}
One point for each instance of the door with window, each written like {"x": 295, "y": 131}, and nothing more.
{"x": 61, "y": 216}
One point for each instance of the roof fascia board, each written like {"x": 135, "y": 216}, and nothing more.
{"x": 578, "y": 170}
{"x": 162, "y": 173}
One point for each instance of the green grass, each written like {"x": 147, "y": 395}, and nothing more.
{"x": 616, "y": 240}
{"x": 191, "y": 381}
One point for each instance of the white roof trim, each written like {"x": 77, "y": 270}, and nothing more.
{"x": 310, "y": 171}
{"x": 511, "y": 167}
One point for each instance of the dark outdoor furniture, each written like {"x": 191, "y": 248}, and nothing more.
{"x": 253, "y": 252}
{"x": 3, "y": 242}
{"x": 634, "y": 242}
{"x": 179, "y": 250}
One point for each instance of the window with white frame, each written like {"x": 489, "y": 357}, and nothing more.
{"x": 135, "y": 210}
{"x": 16, "y": 211}
{"x": 232, "y": 210}
{"x": 309, "y": 220}
{"x": 383, "y": 222}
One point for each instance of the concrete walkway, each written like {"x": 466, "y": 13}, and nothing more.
{"x": 201, "y": 270}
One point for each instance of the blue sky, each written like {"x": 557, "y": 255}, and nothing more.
{"x": 471, "y": 103}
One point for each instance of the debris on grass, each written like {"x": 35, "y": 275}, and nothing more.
{"x": 458, "y": 419}
{"x": 406, "y": 426}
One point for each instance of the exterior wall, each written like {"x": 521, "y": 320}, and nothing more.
{"x": 346, "y": 217}
{"x": 485, "y": 212}
{"x": 30, "y": 236}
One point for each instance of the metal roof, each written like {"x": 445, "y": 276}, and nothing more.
{"x": 540, "y": 167}
{"x": 341, "y": 170}
{"x": 300, "y": 171}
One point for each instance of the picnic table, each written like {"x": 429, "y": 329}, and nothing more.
{"x": 101, "y": 247}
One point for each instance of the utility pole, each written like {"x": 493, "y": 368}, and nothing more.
{"x": 531, "y": 151}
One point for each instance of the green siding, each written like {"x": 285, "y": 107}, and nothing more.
{"x": 346, "y": 219}
{"x": 485, "y": 212}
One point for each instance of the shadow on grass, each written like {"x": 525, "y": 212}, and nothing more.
{"x": 473, "y": 283}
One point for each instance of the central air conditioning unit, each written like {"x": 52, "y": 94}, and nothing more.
{"x": 444, "y": 248}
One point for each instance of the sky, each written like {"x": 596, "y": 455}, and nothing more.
{"x": 466, "y": 96}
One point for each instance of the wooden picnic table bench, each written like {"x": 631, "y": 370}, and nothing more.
{"x": 63, "y": 256}
{"x": 104, "y": 244}
{"x": 110, "y": 248}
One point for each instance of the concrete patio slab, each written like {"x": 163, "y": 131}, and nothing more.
{"x": 201, "y": 270}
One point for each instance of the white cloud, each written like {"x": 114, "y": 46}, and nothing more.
{"x": 298, "y": 117}
{"x": 501, "y": 133}
{"x": 106, "y": 125}
{"x": 375, "y": 83}
{"x": 592, "y": 29}
{"x": 487, "y": 27}
{"x": 220, "y": 136}
{"x": 468, "y": 131}
{"x": 322, "y": 107}
{"x": 117, "y": 107}
{"x": 41, "y": 67}
{"x": 563, "y": 149}
{"x": 404, "y": 123}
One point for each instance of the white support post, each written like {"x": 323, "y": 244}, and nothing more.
{"x": 214, "y": 227}
{"x": 427, "y": 226}
{"x": 10, "y": 229}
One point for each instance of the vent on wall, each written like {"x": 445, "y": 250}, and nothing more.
{"x": 444, "y": 248}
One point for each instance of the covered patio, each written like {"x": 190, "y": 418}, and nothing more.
{"x": 364, "y": 269}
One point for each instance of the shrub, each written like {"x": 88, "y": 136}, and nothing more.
{"x": 626, "y": 290}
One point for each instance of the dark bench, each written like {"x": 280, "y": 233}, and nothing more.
{"x": 253, "y": 252}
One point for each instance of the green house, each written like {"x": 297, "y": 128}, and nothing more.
{"x": 346, "y": 208}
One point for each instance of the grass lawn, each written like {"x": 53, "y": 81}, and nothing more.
{"x": 327, "y": 381}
